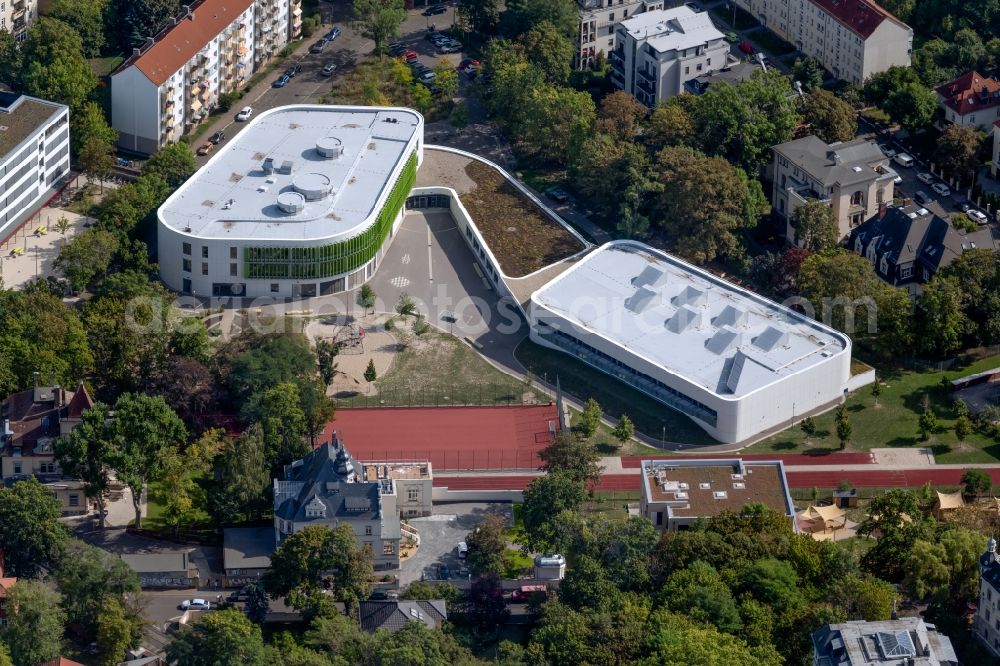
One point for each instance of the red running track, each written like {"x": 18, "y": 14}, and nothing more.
{"x": 836, "y": 458}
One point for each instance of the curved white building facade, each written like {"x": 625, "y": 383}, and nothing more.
{"x": 735, "y": 362}
{"x": 301, "y": 203}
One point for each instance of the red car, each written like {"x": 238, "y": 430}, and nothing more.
{"x": 746, "y": 47}
{"x": 526, "y": 592}
{"x": 468, "y": 62}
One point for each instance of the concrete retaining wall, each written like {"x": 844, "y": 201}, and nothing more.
{"x": 443, "y": 494}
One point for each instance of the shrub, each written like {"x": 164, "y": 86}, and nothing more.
{"x": 962, "y": 222}
{"x": 226, "y": 100}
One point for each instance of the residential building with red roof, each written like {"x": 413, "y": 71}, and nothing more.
{"x": 174, "y": 80}
{"x": 853, "y": 39}
{"x": 30, "y": 421}
{"x": 972, "y": 99}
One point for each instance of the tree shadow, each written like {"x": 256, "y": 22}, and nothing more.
{"x": 940, "y": 449}
{"x": 857, "y": 407}
{"x": 784, "y": 446}
{"x": 900, "y": 442}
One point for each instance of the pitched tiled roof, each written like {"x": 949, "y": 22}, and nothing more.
{"x": 80, "y": 403}
{"x": 61, "y": 661}
{"x": 970, "y": 92}
{"x": 5, "y": 585}
{"x": 393, "y": 615}
{"x": 859, "y": 16}
{"x": 179, "y": 43}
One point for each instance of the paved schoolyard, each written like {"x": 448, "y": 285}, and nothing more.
{"x": 440, "y": 534}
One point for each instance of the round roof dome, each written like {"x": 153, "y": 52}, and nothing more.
{"x": 313, "y": 186}
{"x": 291, "y": 202}
{"x": 330, "y": 147}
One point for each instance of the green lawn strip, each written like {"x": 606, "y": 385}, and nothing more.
{"x": 581, "y": 381}
{"x": 894, "y": 423}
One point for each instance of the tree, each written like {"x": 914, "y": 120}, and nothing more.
{"x": 173, "y": 162}
{"x": 977, "y": 482}
{"x": 89, "y": 580}
{"x": 366, "y": 298}
{"x": 53, "y": 65}
{"x": 10, "y": 58}
{"x": 946, "y": 569}
{"x": 86, "y": 257}
{"x": 912, "y": 106}
{"x": 188, "y": 386}
{"x": 481, "y": 15}
{"x": 832, "y": 119}
{"x": 878, "y": 87}
{"x": 544, "y": 499}
{"x": 35, "y": 622}
{"x": 956, "y": 150}
{"x": 573, "y": 455}
{"x": 487, "y": 607}
{"x": 446, "y": 79}
{"x": 809, "y": 72}
{"x": 670, "y": 124}
{"x": 84, "y": 16}
{"x": 5, "y": 656}
{"x": 379, "y": 20}
{"x": 421, "y": 589}
{"x": 257, "y": 605}
{"x": 221, "y": 638}
{"x": 620, "y": 115}
{"x": 808, "y": 426}
{"x": 30, "y": 530}
{"x": 96, "y": 160}
{"x": 370, "y": 373}
{"x": 145, "y": 430}
{"x": 742, "y": 122}
{"x": 941, "y": 320}
{"x": 590, "y": 419}
{"x": 815, "y": 226}
{"x": 876, "y": 390}
{"x": 486, "y": 543}
{"x": 405, "y": 306}
{"x": 700, "y": 593}
{"x": 326, "y": 352}
{"x": 703, "y": 201}
{"x": 675, "y": 639}
{"x": 549, "y": 50}
{"x": 844, "y": 428}
{"x": 319, "y": 557}
{"x": 555, "y": 120}
{"x": 963, "y": 427}
{"x": 282, "y": 422}
{"x": 277, "y": 360}
{"x": 864, "y": 597}
{"x": 613, "y": 175}
{"x": 90, "y": 124}
{"x": 114, "y": 633}
{"x": 522, "y": 15}
{"x": 624, "y": 430}
{"x": 85, "y": 451}
{"x": 242, "y": 479}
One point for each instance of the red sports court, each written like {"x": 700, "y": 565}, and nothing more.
{"x": 451, "y": 438}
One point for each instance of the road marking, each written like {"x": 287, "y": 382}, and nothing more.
{"x": 406, "y": 258}
{"x": 430, "y": 260}
{"x": 399, "y": 281}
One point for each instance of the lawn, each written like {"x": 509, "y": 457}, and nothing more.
{"x": 894, "y": 423}
{"x": 520, "y": 235}
{"x": 438, "y": 369}
{"x": 581, "y": 381}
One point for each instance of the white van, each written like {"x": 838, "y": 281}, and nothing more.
{"x": 463, "y": 550}
{"x": 903, "y": 160}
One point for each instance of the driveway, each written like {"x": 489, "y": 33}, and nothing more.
{"x": 440, "y": 534}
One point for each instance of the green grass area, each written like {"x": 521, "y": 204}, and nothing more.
{"x": 606, "y": 443}
{"x": 581, "y": 381}
{"x": 438, "y": 369}
{"x": 894, "y": 423}
{"x": 610, "y": 504}
{"x": 516, "y": 564}
{"x": 200, "y": 527}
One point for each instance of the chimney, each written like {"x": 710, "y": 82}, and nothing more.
{"x": 136, "y": 52}
{"x": 36, "y": 377}
{"x": 148, "y": 43}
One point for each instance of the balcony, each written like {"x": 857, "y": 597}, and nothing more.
{"x": 646, "y": 86}
{"x": 617, "y": 57}
{"x": 650, "y": 77}
{"x": 617, "y": 77}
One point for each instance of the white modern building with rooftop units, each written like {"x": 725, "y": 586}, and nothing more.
{"x": 300, "y": 203}
{"x": 735, "y": 362}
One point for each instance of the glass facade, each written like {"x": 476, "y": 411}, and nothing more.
{"x": 323, "y": 261}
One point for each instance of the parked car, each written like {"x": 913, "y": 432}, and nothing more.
{"x": 396, "y": 49}
{"x": 379, "y": 595}
{"x": 557, "y": 194}
{"x": 463, "y": 550}
{"x": 427, "y": 77}
{"x": 293, "y": 70}
{"x": 218, "y": 137}
{"x": 239, "y": 595}
{"x": 449, "y": 48}
{"x": 468, "y": 62}
{"x": 432, "y": 35}
{"x": 206, "y": 148}
{"x": 941, "y": 189}
{"x": 977, "y": 216}
{"x": 887, "y": 150}
{"x": 524, "y": 593}
{"x": 328, "y": 69}
{"x": 333, "y": 34}
{"x": 731, "y": 37}
{"x": 925, "y": 178}
{"x": 282, "y": 81}
{"x": 435, "y": 10}
{"x": 411, "y": 56}
{"x": 195, "y": 604}
{"x": 903, "y": 160}
{"x": 318, "y": 47}
{"x": 244, "y": 114}
{"x": 922, "y": 197}
{"x": 444, "y": 572}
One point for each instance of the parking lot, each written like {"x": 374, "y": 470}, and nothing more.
{"x": 440, "y": 534}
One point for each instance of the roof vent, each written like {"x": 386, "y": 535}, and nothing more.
{"x": 291, "y": 202}
{"x": 285, "y": 168}
{"x": 313, "y": 186}
{"x": 268, "y": 166}
{"x": 330, "y": 147}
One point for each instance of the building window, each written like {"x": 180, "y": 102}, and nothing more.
{"x": 274, "y": 288}
{"x": 388, "y": 548}
{"x": 186, "y": 248}
{"x": 17, "y": 468}
{"x": 186, "y": 265}
{"x": 687, "y": 70}
{"x": 368, "y": 530}
{"x": 232, "y": 269}
{"x": 906, "y": 272}
{"x": 47, "y": 468}
{"x": 412, "y": 494}
{"x": 204, "y": 252}
{"x": 232, "y": 253}
{"x": 74, "y": 500}
{"x": 204, "y": 268}
{"x": 856, "y": 198}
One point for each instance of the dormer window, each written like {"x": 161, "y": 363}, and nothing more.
{"x": 315, "y": 508}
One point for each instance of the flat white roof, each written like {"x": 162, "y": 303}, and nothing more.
{"x": 686, "y": 320}
{"x": 233, "y": 197}
{"x": 672, "y": 29}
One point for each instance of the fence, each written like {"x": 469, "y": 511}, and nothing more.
{"x": 437, "y": 396}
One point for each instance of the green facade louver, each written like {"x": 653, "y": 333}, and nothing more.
{"x": 324, "y": 261}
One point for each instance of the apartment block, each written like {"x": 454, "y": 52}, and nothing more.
{"x": 172, "y": 82}
{"x": 597, "y": 25}
{"x": 853, "y": 39}
{"x": 657, "y": 52}
{"x": 16, "y": 16}
{"x": 34, "y": 155}
{"x": 853, "y": 177}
